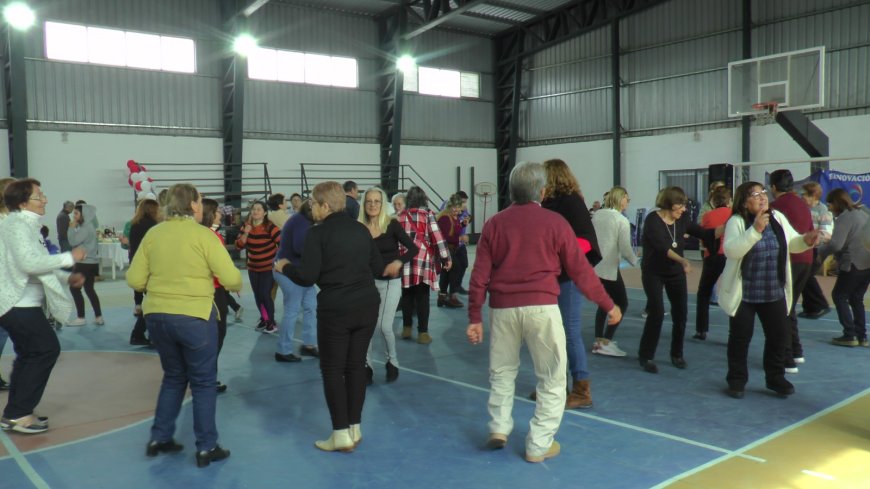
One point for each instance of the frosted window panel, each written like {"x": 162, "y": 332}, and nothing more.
{"x": 178, "y": 54}
{"x": 107, "y": 46}
{"x": 449, "y": 83}
{"x": 66, "y": 42}
{"x": 469, "y": 85}
{"x": 262, "y": 64}
{"x": 409, "y": 82}
{"x": 318, "y": 69}
{"x": 291, "y": 66}
{"x": 429, "y": 80}
{"x": 143, "y": 51}
{"x": 344, "y": 72}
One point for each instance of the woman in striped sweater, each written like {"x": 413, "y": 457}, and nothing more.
{"x": 260, "y": 239}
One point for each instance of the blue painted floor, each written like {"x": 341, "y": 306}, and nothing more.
{"x": 427, "y": 430}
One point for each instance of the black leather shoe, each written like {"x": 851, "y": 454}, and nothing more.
{"x": 288, "y": 358}
{"x": 309, "y": 351}
{"x": 4, "y": 386}
{"x": 155, "y": 448}
{"x": 216, "y": 454}
{"x": 221, "y": 388}
{"x": 370, "y": 375}
{"x": 782, "y": 388}
{"x": 679, "y": 362}
{"x": 648, "y": 366}
{"x": 392, "y": 372}
{"x": 700, "y": 336}
{"x": 735, "y": 393}
{"x": 814, "y": 314}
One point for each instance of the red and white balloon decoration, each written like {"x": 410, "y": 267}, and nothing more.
{"x": 140, "y": 181}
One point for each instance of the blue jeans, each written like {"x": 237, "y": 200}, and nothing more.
{"x": 188, "y": 354}
{"x": 569, "y": 306}
{"x": 296, "y": 296}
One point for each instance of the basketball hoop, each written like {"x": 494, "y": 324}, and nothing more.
{"x": 767, "y": 112}
{"x": 485, "y": 191}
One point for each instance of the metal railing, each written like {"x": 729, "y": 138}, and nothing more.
{"x": 366, "y": 175}
{"x": 213, "y": 184}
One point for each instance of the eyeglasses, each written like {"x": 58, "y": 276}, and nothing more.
{"x": 758, "y": 195}
{"x": 40, "y": 197}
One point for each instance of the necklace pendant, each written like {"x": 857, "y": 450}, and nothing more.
{"x": 673, "y": 244}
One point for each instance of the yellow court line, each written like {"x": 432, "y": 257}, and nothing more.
{"x": 831, "y": 451}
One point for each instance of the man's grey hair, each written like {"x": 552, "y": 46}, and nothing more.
{"x": 399, "y": 195}
{"x": 526, "y": 182}
{"x": 69, "y": 206}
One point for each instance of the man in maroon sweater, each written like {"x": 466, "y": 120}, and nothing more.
{"x": 801, "y": 219}
{"x": 520, "y": 255}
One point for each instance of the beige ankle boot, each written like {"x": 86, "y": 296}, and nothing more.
{"x": 580, "y": 395}
{"x": 340, "y": 441}
{"x": 355, "y": 434}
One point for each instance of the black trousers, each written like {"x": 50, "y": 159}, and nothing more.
{"x": 343, "y": 338}
{"x": 89, "y": 270}
{"x": 800, "y": 272}
{"x": 675, "y": 288}
{"x": 36, "y": 350}
{"x": 416, "y": 298}
{"x": 710, "y": 272}
{"x": 220, "y": 300}
{"x": 616, "y": 290}
{"x": 450, "y": 280}
{"x": 812, "y": 297}
{"x": 848, "y": 295}
{"x": 460, "y": 262}
{"x": 231, "y": 301}
{"x": 774, "y": 321}
{"x": 261, "y": 286}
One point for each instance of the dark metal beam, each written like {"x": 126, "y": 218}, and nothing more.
{"x": 616, "y": 98}
{"x": 808, "y": 135}
{"x": 16, "y": 101}
{"x": 232, "y": 102}
{"x": 436, "y": 12}
{"x": 508, "y": 83}
{"x": 745, "y": 122}
{"x": 390, "y": 97}
{"x": 572, "y": 20}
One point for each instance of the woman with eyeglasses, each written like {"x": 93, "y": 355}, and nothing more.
{"x": 757, "y": 281}
{"x": 31, "y": 278}
{"x": 664, "y": 267}
{"x": 853, "y": 261}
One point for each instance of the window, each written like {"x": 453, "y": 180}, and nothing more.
{"x": 296, "y": 67}
{"x": 113, "y": 47}
{"x": 444, "y": 83}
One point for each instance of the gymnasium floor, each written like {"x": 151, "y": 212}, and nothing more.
{"x": 675, "y": 429}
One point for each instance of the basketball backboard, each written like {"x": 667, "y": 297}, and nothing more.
{"x": 794, "y": 80}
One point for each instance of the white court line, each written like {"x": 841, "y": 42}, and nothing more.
{"x": 640, "y": 429}
{"x": 765, "y": 439}
{"x": 22, "y": 462}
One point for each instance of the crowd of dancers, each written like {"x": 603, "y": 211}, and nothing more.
{"x": 349, "y": 268}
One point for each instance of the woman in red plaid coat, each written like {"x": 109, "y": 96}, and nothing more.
{"x": 420, "y": 275}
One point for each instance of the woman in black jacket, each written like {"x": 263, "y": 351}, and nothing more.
{"x": 147, "y": 216}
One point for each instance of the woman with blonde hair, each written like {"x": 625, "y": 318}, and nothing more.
{"x": 562, "y": 195}
{"x": 614, "y": 237}
{"x": 388, "y": 234}
{"x": 341, "y": 258}
{"x": 176, "y": 263}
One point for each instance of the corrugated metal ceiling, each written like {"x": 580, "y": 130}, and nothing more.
{"x": 487, "y": 18}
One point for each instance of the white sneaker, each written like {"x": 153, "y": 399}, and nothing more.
{"x": 76, "y": 322}
{"x": 791, "y": 370}
{"x": 609, "y": 348}
{"x": 239, "y": 314}
{"x": 99, "y": 321}
{"x": 800, "y": 360}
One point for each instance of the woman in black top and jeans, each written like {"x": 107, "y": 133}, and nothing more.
{"x": 387, "y": 233}
{"x": 341, "y": 258}
{"x": 147, "y": 215}
{"x": 663, "y": 266}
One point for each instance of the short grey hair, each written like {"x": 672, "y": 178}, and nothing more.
{"x": 526, "y": 182}
{"x": 399, "y": 195}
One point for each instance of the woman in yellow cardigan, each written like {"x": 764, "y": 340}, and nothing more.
{"x": 176, "y": 264}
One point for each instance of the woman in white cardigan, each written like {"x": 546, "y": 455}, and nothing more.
{"x": 614, "y": 239}
{"x": 757, "y": 281}
{"x": 30, "y": 277}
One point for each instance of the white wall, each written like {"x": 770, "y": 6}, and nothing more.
{"x": 4, "y": 154}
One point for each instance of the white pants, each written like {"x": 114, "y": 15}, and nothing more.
{"x": 391, "y": 293}
{"x": 540, "y": 327}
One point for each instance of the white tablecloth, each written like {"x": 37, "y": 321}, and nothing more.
{"x": 113, "y": 254}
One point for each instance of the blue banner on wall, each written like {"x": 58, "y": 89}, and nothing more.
{"x": 856, "y": 185}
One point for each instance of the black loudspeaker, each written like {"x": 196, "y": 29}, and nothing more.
{"x": 722, "y": 172}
